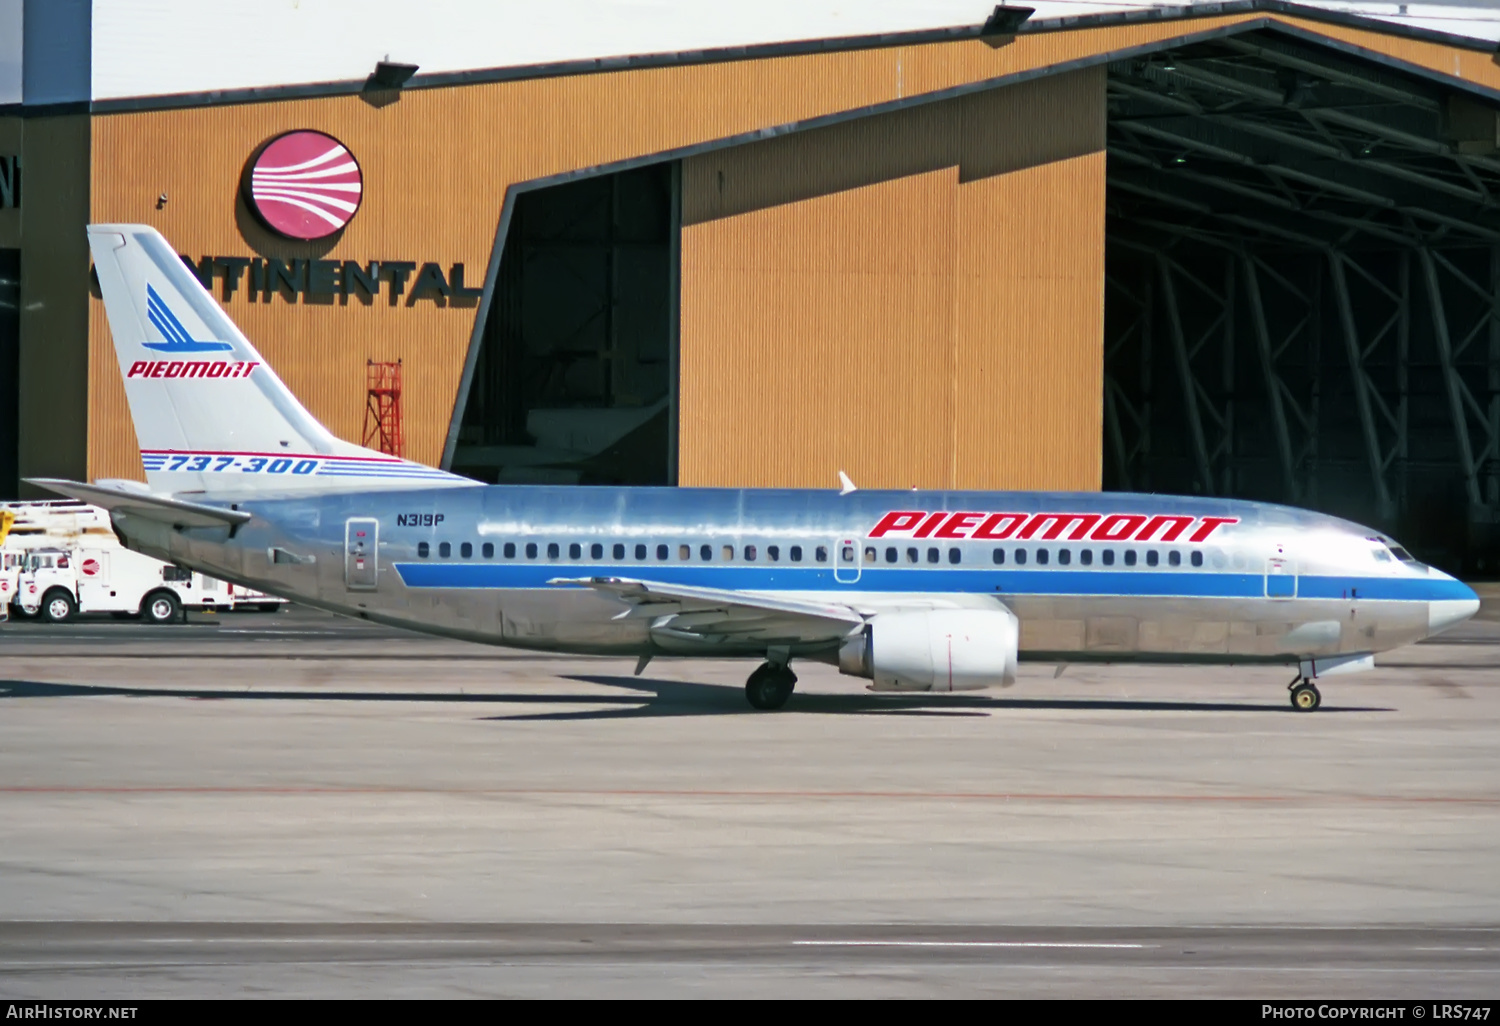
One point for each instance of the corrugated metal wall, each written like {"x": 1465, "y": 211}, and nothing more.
{"x": 982, "y": 258}
{"x": 916, "y": 298}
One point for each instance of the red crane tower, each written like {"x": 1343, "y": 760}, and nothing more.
{"x": 383, "y": 408}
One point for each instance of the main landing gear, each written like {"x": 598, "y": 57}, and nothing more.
{"x": 1305, "y": 694}
{"x": 770, "y": 686}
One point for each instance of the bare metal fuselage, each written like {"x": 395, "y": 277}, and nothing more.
{"x": 1271, "y": 585}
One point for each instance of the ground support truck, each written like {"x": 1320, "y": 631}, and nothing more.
{"x": 61, "y": 559}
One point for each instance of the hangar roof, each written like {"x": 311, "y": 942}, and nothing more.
{"x": 75, "y": 52}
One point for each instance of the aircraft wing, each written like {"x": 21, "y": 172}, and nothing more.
{"x": 145, "y": 505}
{"x": 723, "y": 615}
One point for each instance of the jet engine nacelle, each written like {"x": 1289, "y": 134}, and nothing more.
{"x": 935, "y": 650}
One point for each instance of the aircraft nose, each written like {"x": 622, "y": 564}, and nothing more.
{"x": 1444, "y": 613}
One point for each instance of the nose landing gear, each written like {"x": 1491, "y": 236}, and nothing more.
{"x": 1305, "y": 694}
{"x": 770, "y": 686}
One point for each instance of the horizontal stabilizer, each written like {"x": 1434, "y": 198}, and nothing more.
{"x": 115, "y": 498}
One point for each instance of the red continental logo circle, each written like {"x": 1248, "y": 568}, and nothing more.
{"x": 305, "y": 185}
{"x": 90, "y": 567}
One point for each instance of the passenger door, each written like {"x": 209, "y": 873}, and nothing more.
{"x": 1281, "y": 578}
{"x": 361, "y": 553}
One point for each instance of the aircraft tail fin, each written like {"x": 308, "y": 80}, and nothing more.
{"x": 210, "y": 415}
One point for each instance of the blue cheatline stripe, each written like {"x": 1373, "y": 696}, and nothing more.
{"x": 998, "y": 581}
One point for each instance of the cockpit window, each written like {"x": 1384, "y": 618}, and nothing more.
{"x": 1385, "y": 545}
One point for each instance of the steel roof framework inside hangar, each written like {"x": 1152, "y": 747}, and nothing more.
{"x": 1303, "y": 277}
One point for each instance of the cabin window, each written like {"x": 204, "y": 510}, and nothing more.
{"x": 575, "y": 551}
{"x": 466, "y": 550}
{"x": 553, "y": 551}
{"x": 662, "y": 552}
{"x": 795, "y": 553}
{"x": 891, "y": 554}
{"x": 932, "y": 554}
{"x": 750, "y": 553}
{"x": 1064, "y": 557}
{"x": 531, "y": 550}
{"x": 848, "y": 554}
{"x": 618, "y": 551}
{"x": 596, "y": 551}
{"x": 1041, "y": 557}
{"x": 706, "y": 552}
{"x": 510, "y": 550}
{"x": 444, "y": 550}
{"x": 998, "y": 556}
{"x": 422, "y": 550}
{"x": 1107, "y": 557}
{"x": 1174, "y": 558}
{"x": 1130, "y": 557}
{"x": 1151, "y": 558}
{"x": 1086, "y": 557}
{"x": 640, "y": 552}
{"x": 1020, "y": 557}
{"x": 821, "y": 554}
{"x": 870, "y": 556}
{"x": 912, "y": 556}
{"x": 955, "y": 555}
{"x": 773, "y": 552}
{"x": 1196, "y": 559}
{"x": 684, "y": 552}
{"x": 487, "y": 550}
{"x": 728, "y": 553}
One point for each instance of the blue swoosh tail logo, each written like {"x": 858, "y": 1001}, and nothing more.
{"x": 175, "y": 335}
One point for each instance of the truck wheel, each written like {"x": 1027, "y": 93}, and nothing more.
{"x": 58, "y": 606}
{"x": 161, "y": 607}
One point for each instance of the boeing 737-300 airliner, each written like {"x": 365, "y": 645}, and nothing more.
{"x": 914, "y": 591}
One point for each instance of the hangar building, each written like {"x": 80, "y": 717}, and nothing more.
{"x": 1247, "y": 248}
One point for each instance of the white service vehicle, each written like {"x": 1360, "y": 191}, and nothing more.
{"x": 60, "y": 559}
{"x": 58, "y": 584}
{"x": 28, "y": 525}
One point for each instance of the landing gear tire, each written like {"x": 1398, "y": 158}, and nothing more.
{"x": 1305, "y": 696}
{"x": 58, "y": 606}
{"x": 161, "y": 607}
{"x": 770, "y": 686}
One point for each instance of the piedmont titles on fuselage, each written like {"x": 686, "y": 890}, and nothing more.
{"x": 1100, "y": 527}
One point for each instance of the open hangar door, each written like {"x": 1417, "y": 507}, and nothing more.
{"x": 1303, "y": 289}
{"x": 574, "y": 381}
